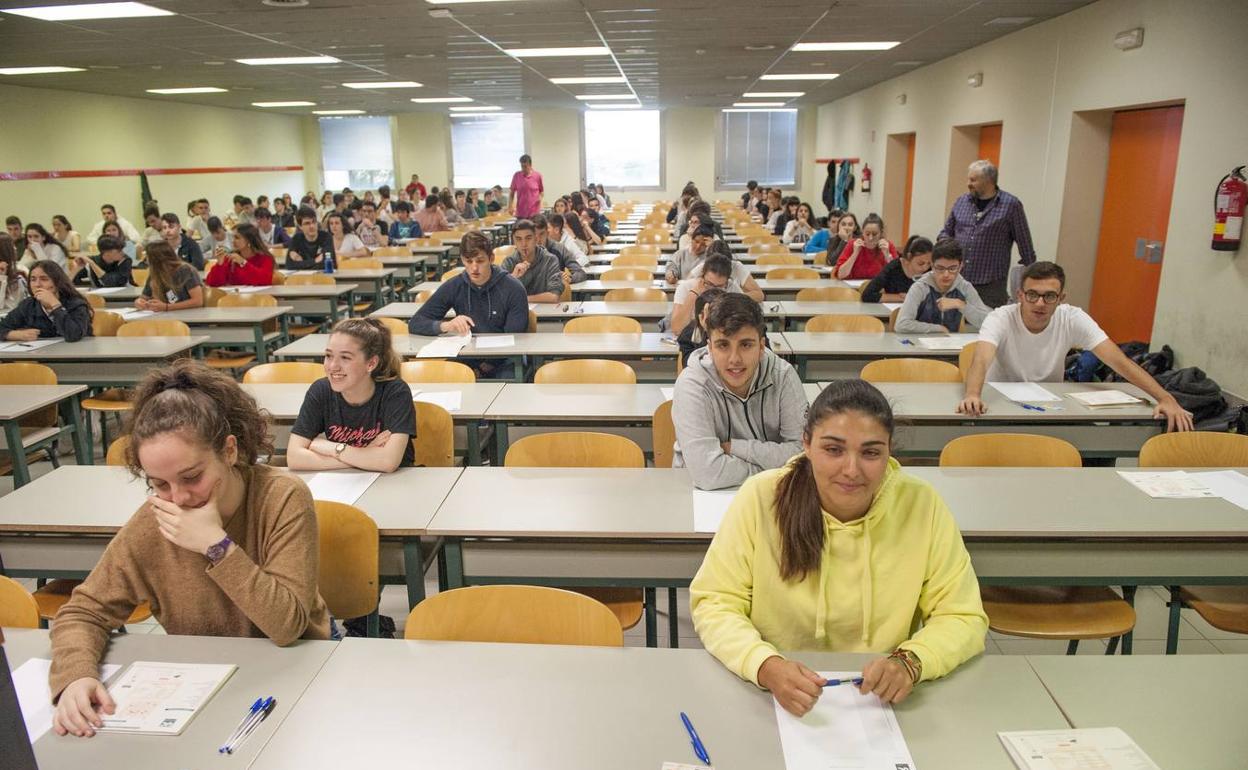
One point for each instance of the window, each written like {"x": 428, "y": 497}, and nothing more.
{"x": 623, "y": 148}
{"x": 486, "y": 149}
{"x": 759, "y": 145}
{"x": 356, "y": 153}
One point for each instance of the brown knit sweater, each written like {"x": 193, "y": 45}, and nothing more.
{"x": 266, "y": 586}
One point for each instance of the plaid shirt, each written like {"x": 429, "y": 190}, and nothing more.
{"x": 988, "y": 236}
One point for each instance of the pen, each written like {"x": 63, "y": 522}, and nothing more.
{"x": 838, "y": 682}
{"x": 1033, "y": 407}
{"x": 907, "y": 342}
{"x": 699, "y": 750}
{"x": 254, "y": 708}
{"x": 262, "y": 715}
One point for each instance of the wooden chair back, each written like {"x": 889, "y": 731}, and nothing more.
{"x": 636, "y": 260}
{"x": 965, "y": 357}
{"x": 392, "y": 251}
{"x": 659, "y": 237}
{"x": 310, "y": 279}
{"x": 18, "y": 608}
{"x": 602, "y": 324}
{"x": 532, "y": 327}
{"x": 892, "y": 319}
{"x": 845, "y": 323}
{"x": 449, "y": 274}
{"x": 514, "y": 615}
{"x": 910, "y": 370}
{"x": 397, "y": 327}
{"x": 348, "y": 572}
{"x": 94, "y": 300}
{"x": 574, "y": 449}
{"x": 663, "y": 435}
{"x": 642, "y": 250}
{"x": 288, "y": 372}
{"x": 820, "y": 258}
{"x": 105, "y": 323}
{"x": 1196, "y": 449}
{"x": 829, "y": 294}
{"x": 1010, "y": 450}
{"x": 31, "y": 373}
{"x": 278, "y": 279}
{"x": 627, "y": 274}
{"x": 139, "y": 276}
{"x": 585, "y": 371}
{"x": 116, "y": 454}
{"x": 435, "y": 436}
{"x": 234, "y": 299}
{"x": 793, "y": 274}
{"x": 360, "y": 263}
{"x": 766, "y": 239}
{"x": 780, "y": 259}
{"x": 503, "y": 252}
{"x": 422, "y": 296}
{"x": 212, "y": 296}
{"x": 635, "y": 295}
{"x": 154, "y": 327}
{"x": 436, "y": 370}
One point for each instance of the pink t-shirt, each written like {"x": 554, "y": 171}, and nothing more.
{"x": 528, "y": 193}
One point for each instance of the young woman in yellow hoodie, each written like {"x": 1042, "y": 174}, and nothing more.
{"x": 839, "y": 551}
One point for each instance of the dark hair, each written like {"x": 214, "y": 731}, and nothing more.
{"x": 374, "y": 339}
{"x": 460, "y": 192}
{"x": 109, "y": 243}
{"x": 12, "y": 219}
{"x": 402, "y": 206}
{"x": 251, "y": 234}
{"x": 305, "y": 213}
{"x": 384, "y": 191}
{"x": 700, "y": 207}
{"x": 718, "y": 264}
{"x": 214, "y": 224}
{"x": 525, "y": 158}
{"x": 872, "y": 219}
{"x": 949, "y": 248}
{"x": 8, "y": 255}
{"x": 751, "y": 185}
{"x": 64, "y": 287}
{"x": 810, "y": 212}
{"x": 523, "y": 224}
{"x": 239, "y": 200}
{"x": 108, "y": 206}
{"x": 707, "y": 297}
{"x": 163, "y": 263}
{"x": 201, "y": 404}
{"x": 540, "y": 221}
{"x": 61, "y": 218}
{"x": 705, "y": 230}
{"x": 431, "y": 200}
{"x": 475, "y": 244}
{"x": 799, "y": 513}
{"x": 573, "y": 223}
{"x": 48, "y": 238}
{"x": 919, "y": 245}
{"x": 338, "y": 198}
{"x": 342, "y": 219}
{"x": 734, "y": 312}
{"x": 263, "y": 213}
{"x": 719, "y": 247}
{"x": 1042, "y": 271}
{"x": 171, "y": 218}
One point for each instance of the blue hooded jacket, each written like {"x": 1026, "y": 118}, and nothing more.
{"x": 500, "y": 306}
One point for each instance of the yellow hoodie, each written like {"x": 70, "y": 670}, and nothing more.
{"x": 898, "y": 577}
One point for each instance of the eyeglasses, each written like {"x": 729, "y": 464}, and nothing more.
{"x": 1049, "y": 297}
{"x": 950, "y": 269}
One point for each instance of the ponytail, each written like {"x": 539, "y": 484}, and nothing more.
{"x": 375, "y": 341}
{"x": 799, "y": 515}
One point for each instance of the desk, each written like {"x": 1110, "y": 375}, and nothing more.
{"x": 379, "y": 283}
{"x": 18, "y": 401}
{"x": 777, "y": 289}
{"x": 583, "y": 405}
{"x": 107, "y": 361}
{"x": 235, "y": 326}
{"x": 850, "y": 351}
{"x": 263, "y": 668}
{"x": 543, "y": 310}
{"x": 758, "y": 271}
{"x": 792, "y": 310}
{"x": 303, "y": 299}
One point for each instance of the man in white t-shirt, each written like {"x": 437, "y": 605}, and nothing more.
{"x": 1028, "y": 342}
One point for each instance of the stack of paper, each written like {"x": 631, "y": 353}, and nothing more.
{"x": 30, "y": 680}
{"x": 1097, "y": 748}
{"x": 845, "y": 729}
{"x": 1024, "y": 392}
{"x": 709, "y": 508}
{"x": 450, "y": 400}
{"x": 340, "y": 486}
{"x": 1102, "y": 398}
{"x": 163, "y": 698}
{"x": 1168, "y": 484}
{"x": 444, "y": 347}
{"x": 496, "y": 341}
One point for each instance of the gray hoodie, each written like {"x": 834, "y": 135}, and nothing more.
{"x": 765, "y": 428}
{"x": 920, "y": 315}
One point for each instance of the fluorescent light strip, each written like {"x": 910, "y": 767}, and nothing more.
{"x": 758, "y": 104}
{"x": 483, "y": 114}
{"x": 879, "y": 46}
{"x": 803, "y": 76}
{"x": 588, "y": 81}
{"x": 755, "y": 109}
{"x": 337, "y": 112}
{"x": 773, "y": 94}
{"x": 586, "y": 50}
{"x": 89, "y": 11}
{"x": 385, "y": 84}
{"x": 461, "y": 2}
{"x": 288, "y": 60}
{"x": 475, "y": 109}
{"x": 442, "y": 100}
{"x": 283, "y": 104}
{"x": 193, "y": 90}
{"x": 38, "y": 70}
{"x": 614, "y": 106}
{"x": 604, "y": 97}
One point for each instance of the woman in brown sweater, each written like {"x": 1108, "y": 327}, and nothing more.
{"x": 223, "y": 547}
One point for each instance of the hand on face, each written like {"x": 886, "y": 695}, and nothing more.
{"x": 194, "y": 529}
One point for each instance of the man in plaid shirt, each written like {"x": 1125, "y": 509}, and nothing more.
{"x": 988, "y": 221}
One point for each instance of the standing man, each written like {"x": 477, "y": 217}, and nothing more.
{"x": 415, "y": 188}
{"x": 526, "y": 191}
{"x": 988, "y": 221}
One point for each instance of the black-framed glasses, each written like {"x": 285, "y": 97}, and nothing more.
{"x": 950, "y": 269}
{"x": 1049, "y": 297}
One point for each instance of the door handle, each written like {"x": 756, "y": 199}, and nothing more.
{"x": 1149, "y": 251}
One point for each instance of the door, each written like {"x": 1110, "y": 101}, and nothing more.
{"x": 1139, "y": 183}
{"x": 990, "y": 143}
{"x": 905, "y": 209}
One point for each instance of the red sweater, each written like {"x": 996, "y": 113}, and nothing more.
{"x": 870, "y": 261}
{"x": 258, "y": 271}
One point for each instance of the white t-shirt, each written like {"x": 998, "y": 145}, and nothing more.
{"x": 1026, "y": 357}
{"x": 740, "y": 273}
{"x": 351, "y": 243}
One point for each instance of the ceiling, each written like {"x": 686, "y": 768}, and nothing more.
{"x": 686, "y": 53}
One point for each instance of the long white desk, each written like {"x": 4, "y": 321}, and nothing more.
{"x": 19, "y": 401}
{"x": 842, "y": 355}
{"x": 107, "y": 361}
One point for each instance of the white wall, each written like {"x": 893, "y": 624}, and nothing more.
{"x": 1034, "y": 81}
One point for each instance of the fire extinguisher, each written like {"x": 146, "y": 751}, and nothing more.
{"x": 1228, "y": 210}
{"x": 866, "y": 178}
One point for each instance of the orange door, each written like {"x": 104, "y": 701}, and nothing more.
{"x": 1143, "y": 153}
{"x": 905, "y": 208}
{"x": 990, "y": 143}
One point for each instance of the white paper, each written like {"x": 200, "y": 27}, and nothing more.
{"x": 450, "y": 400}
{"x": 854, "y": 282}
{"x": 1104, "y": 398}
{"x": 340, "y": 486}
{"x": 444, "y": 347}
{"x": 249, "y": 289}
{"x": 162, "y": 698}
{"x": 1097, "y": 748}
{"x": 668, "y": 393}
{"x": 1025, "y": 392}
{"x": 501, "y": 341}
{"x": 846, "y": 730}
{"x": 892, "y": 306}
{"x": 683, "y": 766}
{"x": 107, "y": 290}
{"x": 134, "y": 314}
{"x": 1231, "y": 486}
{"x": 35, "y": 699}
{"x": 1167, "y": 484}
{"x": 22, "y": 347}
{"x": 709, "y": 508}
{"x": 944, "y": 341}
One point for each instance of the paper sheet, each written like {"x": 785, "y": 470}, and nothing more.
{"x": 944, "y": 341}
{"x": 107, "y": 290}
{"x": 1104, "y": 398}
{"x": 444, "y": 347}
{"x": 22, "y": 347}
{"x": 668, "y": 393}
{"x": 162, "y": 698}
{"x": 501, "y": 341}
{"x": 1167, "y": 484}
{"x": 340, "y": 486}
{"x": 1025, "y": 392}
{"x": 709, "y": 508}
{"x": 1097, "y": 748}
{"x": 133, "y": 313}
{"x": 450, "y": 400}
{"x": 249, "y": 289}
{"x": 892, "y": 306}
{"x": 1231, "y": 486}
{"x": 31, "y": 682}
{"x": 845, "y": 730}
{"x": 854, "y": 283}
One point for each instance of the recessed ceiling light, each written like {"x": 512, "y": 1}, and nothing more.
{"x": 475, "y": 109}
{"x": 288, "y": 60}
{"x": 337, "y": 112}
{"x": 385, "y": 84}
{"x": 214, "y": 64}
{"x": 736, "y": 77}
{"x": 614, "y": 106}
{"x": 419, "y": 55}
{"x": 442, "y": 100}
{"x": 485, "y": 82}
{"x": 89, "y": 11}
{"x": 586, "y": 50}
{"x": 587, "y": 81}
{"x": 758, "y": 104}
{"x": 803, "y": 76}
{"x": 1008, "y": 21}
{"x": 191, "y": 90}
{"x": 283, "y": 104}
{"x": 38, "y": 70}
{"x": 634, "y": 51}
{"x": 773, "y": 94}
{"x": 768, "y": 47}
{"x": 458, "y": 2}
{"x": 604, "y": 97}
{"x": 907, "y": 63}
{"x": 699, "y": 51}
{"x": 756, "y": 109}
{"x": 880, "y": 46}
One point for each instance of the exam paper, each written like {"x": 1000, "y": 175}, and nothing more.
{"x": 450, "y": 400}
{"x": 1096, "y": 748}
{"x": 133, "y": 313}
{"x": 1167, "y": 484}
{"x": 22, "y": 347}
{"x": 249, "y": 289}
{"x": 854, "y": 283}
{"x": 945, "y": 341}
{"x": 501, "y": 341}
{"x": 35, "y": 699}
{"x": 340, "y": 486}
{"x": 162, "y": 698}
{"x": 892, "y": 306}
{"x": 709, "y": 508}
{"x": 107, "y": 290}
{"x": 846, "y": 730}
{"x": 444, "y": 347}
{"x": 1104, "y": 398}
{"x": 1024, "y": 392}
{"x": 668, "y": 393}
{"x": 1231, "y": 486}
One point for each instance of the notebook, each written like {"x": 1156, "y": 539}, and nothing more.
{"x": 162, "y": 698}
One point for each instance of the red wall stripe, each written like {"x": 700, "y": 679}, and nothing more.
{"x": 20, "y": 176}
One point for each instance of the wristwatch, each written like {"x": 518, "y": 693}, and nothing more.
{"x": 339, "y": 448}
{"x": 216, "y": 552}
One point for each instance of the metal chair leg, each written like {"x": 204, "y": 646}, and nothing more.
{"x": 1113, "y": 645}
{"x": 652, "y": 617}
{"x": 673, "y": 627}
{"x": 1128, "y": 595}
{"x": 1072, "y": 646}
{"x": 1176, "y": 614}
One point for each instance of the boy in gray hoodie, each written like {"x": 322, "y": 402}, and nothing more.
{"x": 939, "y": 299}
{"x": 738, "y": 408}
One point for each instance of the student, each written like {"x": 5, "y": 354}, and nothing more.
{"x": 238, "y": 215}
{"x": 404, "y": 226}
{"x": 715, "y": 273}
{"x": 598, "y": 224}
{"x": 840, "y": 233}
{"x": 198, "y": 224}
{"x": 185, "y": 246}
{"x": 839, "y": 551}
{"x": 360, "y": 414}
{"x": 738, "y": 407}
{"x": 866, "y": 256}
{"x": 892, "y": 283}
{"x": 13, "y": 226}
{"x": 575, "y": 228}
{"x": 693, "y": 336}
{"x": 347, "y": 244}
{"x": 368, "y": 231}
{"x": 465, "y": 205}
{"x": 750, "y": 187}
{"x": 113, "y": 230}
{"x": 271, "y": 234}
{"x": 431, "y": 218}
{"x": 12, "y": 282}
{"x": 544, "y": 229}
{"x": 53, "y": 309}
{"x": 110, "y": 268}
{"x": 1027, "y": 341}
{"x": 415, "y": 188}
{"x": 66, "y": 234}
{"x": 491, "y": 205}
{"x": 536, "y": 268}
{"x": 801, "y": 228}
{"x": 741, "y": 275}
{"x": 938, "y": 300}
{"x": 249, "y": 264}
{"x": 108, "y": 213}
{"x": 217, "y": 244}
{"x": 310, "y": 245}
{"x": 560, "y": 207}
{"x": 772, "y": 209}
{"x": 41, "y": 245}
{"x": 283, "y": 217}
{"x": 446, "y": 202}
{"x": 486, "y": 300}
{"x": 151, "y": 220}
{"x": 602, "y": 196}
{"x": 788, "y": 214}
{"x": 172, "y": 284}
{"x": 223, "y": 546}
{"x": 683, "y": 261}
{"x": 327, "y": 205}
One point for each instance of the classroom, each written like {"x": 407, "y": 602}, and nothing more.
{"x": 547, "y": 383}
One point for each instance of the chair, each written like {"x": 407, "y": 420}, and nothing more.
{"x": 348, "y": 574}
{"x": 779, "y": 259}
{"x": 657, "y": 237}
{"x": 845, "y": 323}
{"x": 1223, "y": 607}
{"x": 1043, "y": 612}
{"x": 154, "y": 327}
{"x": 116, "y": 454}
{"x": 910, "y": 370}
{"x": 627, "y": 274}
{"x": 793, "y": 274}
{"x": 503, "y": 252}
{"x": 310, "y": 279}
{"x": 514, "y": 615}
{"x": 138, "y": 276}
{"x": 434, "y": 443}
{"x": 585, "y": 371}
{"x": 213, "y": 295}
{"x": 95, "y": 301}
{"x": 965, "y": 357}
{"x": 829, "y": 294}
{"x": 434, "y": 370}
{"x": 422, "y": 296}
{"x": 761, "y": 240}
{"x": 449, "y": 274}
{"x": 284, "y": 372}
{"x": 397, "y": 327}
{"x": 41, "y": 421}
{"x": 19, "y": 610}
{"x": 361, "y": 263}
{"x": 764, "y": 249}
{"x": 532, "y": 327}
{"x": 235, "y": 299}
{"x": 663, "y": 435}
{"x": 642, "y": 250}
{"x": 636, "y": 260}
{"x": 222, "y": 358}
{"x": 635, "y": 295}
{"x": 104, "y": 323}
{"x": 602, "y": 324}
{"x": 392, "y": 251}
{"x": 278, "y": 279}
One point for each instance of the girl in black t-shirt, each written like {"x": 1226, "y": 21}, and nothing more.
{"x": 360, "y": 415}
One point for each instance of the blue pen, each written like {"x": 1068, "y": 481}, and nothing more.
{"x": 252, "y": 724}
{"x": 1033, "y": 407}
{"x": 838, "y": 682}
{"x": 699, "y": 750}
{"x": 907, "y": 342}
{"x": 254, "y": 708}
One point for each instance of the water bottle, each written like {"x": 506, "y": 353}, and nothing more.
{"x": 329, "y": 262}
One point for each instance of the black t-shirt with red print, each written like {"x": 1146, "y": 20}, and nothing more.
{"x": 327, "y": 412}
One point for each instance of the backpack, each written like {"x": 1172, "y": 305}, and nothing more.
{"x": 1194, "y": 391}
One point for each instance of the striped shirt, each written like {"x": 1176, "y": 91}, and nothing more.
{"x": 988, "y": 236}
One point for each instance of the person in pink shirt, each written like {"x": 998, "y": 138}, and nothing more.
{"x": 526, "y": 190}
{"x": 865, "y": 257}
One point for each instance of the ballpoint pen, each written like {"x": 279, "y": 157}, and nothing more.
{"x": 699, "y": 749}
{"x": 255, "y": 722}
{"x": 250, "y": 713}
{"x": 907, "y": 342}
{"x": 838, "y": 682}
{"x": 1033, "y": 408}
